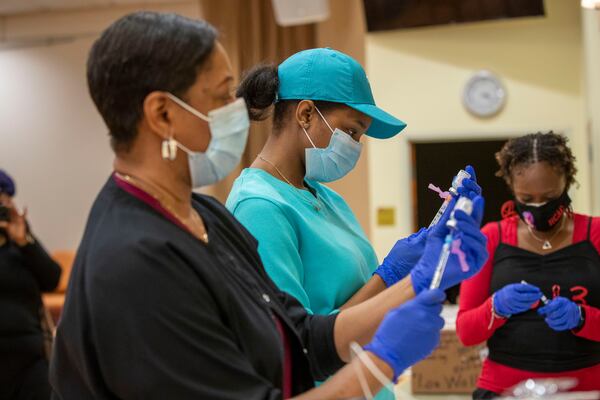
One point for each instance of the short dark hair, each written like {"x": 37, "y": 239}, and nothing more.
{"x": 259, "y": 88}
{"x": 140, "y": 53}
{"x": 7, "y": 184}
{"x": 550, "y": 147}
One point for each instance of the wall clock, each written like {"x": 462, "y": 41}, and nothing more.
{"x": 484, "y": 94}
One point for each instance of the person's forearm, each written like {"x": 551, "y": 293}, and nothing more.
{"x": 346, "y": 384}
{"x": 478, "y": 324}
{"x": 373, "y": 287}
{"x": 44, "y": 268}
{"x": 591, "y": 328}
{"x": 359, "y": 323}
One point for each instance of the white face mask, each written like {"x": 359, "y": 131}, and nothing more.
{"x": 334, "y": 161}
{"x": 229, "y": 127}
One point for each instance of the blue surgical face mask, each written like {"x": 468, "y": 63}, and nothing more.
{"x": 229, "y": 127}
{"x": 334, "y": 161}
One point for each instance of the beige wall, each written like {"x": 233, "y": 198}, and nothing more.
{"x": 54, "y": 142}
{"x": 418, "y": 75}
{"x": 335, "y": 34}
{"x": 591, "y": 45}
{"x": 56, "y": 145}
{"x": 52, "y": 139}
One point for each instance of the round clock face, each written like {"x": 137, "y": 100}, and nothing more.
{"x": 484, "y": 94}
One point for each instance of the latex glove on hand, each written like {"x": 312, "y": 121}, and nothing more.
{"x": 473, "y": 244}
{"x": 410, "y": 332}
{"x": 402, "y": 258}
{"x": 469, "y": 187}
{"x": 515, "y": 298}
{"x": 562, "y": 314}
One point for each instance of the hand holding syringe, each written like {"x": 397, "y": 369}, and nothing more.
{"x": 451, "y": 245}
{"x": 466, "y": 242}
{"x": 408, "y": 251}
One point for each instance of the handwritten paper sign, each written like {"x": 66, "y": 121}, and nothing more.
{"x": 451, "y": 368}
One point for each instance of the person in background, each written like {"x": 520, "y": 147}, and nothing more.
{"x": 541, "y": 247}
{"x": 168, "y": 297}
{"x": 26, "y": 270}
{"x": 309, "y": 239}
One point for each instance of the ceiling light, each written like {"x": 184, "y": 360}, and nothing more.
{"x": 591, "y": 4}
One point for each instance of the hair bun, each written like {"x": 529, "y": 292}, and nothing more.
{"x": 259, "y": 89}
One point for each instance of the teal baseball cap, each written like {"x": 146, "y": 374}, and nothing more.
{"x": 329, "y": 75}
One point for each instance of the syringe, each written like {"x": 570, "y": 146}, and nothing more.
{"x": 456, "y": 183}
{"x": 466, "y": 205}
{"x": 544, "y": 299}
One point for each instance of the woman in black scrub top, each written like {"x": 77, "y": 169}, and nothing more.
{"x": 26, "y": 270}
{"x": 168, "y": 298}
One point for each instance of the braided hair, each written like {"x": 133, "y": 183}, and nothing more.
{"x": 550, "y": 147}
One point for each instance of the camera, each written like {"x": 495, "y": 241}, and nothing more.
{"x": 4, "y": 213}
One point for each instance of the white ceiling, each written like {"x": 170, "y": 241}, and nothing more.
{"x": 8, "y": 7}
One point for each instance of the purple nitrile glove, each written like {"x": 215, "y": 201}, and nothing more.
{"x": 469, "y": 187}
{"x": 473, "y": 244}
{"x": 515, "y": 298}
{"x": 402, "y": 258}
{"x": 409, "y": 333}
{"x": 562, "y": 314}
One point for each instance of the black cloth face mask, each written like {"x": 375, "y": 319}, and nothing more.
{"x": 544, "y": 217}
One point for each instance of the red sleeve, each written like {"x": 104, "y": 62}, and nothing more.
{"x": 591, "y": 327}
{"x": 595, "y": 233}
{"x": 475, "y": 323}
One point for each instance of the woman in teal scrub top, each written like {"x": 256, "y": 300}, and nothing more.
{"x": 310, "y": 242}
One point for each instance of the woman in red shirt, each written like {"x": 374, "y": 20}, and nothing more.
{"x": 542, "y": 242}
